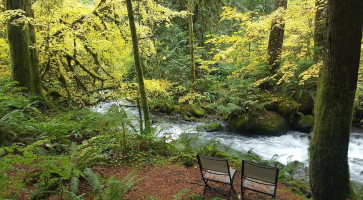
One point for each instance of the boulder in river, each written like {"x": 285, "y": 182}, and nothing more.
{"x": 304, "y": 123}
{"x": 189, "y": 110}
{"x": 267, "y": 123}
{"x": 213, "y": 127}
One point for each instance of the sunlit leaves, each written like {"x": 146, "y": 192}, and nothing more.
{"x": 248, "y": 46}
{"x": 311, "y": 73}
{"x": 191, "y": 98}
{"x": 4, "y": 59}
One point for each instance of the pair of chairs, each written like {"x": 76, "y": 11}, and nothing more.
{"x": 254, "y": 177}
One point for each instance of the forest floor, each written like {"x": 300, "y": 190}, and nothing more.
{"x": 165, "y": 181}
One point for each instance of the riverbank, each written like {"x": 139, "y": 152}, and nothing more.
{"x": 50, "y": 152}
{"x": 285, "y": 148}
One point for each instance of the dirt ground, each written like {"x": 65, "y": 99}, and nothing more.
{"x": 164, "y": 182}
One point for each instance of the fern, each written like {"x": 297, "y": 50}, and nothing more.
{"x": 71, "y": 195}
{"x": 116, "y": 189}
{"x": 45, "y": 190}
{"x": 93, "y": 180}
{"x": 128, "y": 182}
{"x": 74, "y": 184}
{"x": 180, "y": 194}
{"x": 113, "y": 190}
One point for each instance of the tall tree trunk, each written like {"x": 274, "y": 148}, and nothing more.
{"x": 140, "y": 75}
{"x": 276, "y": 38}
{"x": 329, "y": 170}
{"x": 23, "y": 54}
{"x": 319, "y": 30}
{"x": 191, "y": 41}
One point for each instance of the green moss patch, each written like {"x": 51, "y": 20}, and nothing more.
{"x": 268, "y": 123}
{"x": 213, "y": 127}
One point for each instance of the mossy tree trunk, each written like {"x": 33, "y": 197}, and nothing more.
{"x": 139, "y": 71}
{"x": 276, "y": 38}
{"x": 328, "y": 151}
{"x": 23, "y": 54}
{"x": 191, "y": 42}
{"x": 319, "y": 30}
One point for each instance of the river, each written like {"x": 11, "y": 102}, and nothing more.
{"x": 289, "y": 147}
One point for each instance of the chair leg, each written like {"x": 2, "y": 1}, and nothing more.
{"x": 230, "y": 190}
{"x": 205, "y": 187}
{"x": 233, "y": 189}
{"x": 243, "y": 194}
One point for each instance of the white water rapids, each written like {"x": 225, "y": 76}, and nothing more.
{"x": 292, "y": 146}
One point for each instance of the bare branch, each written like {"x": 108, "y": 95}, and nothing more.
{"x": 68, "y": 56}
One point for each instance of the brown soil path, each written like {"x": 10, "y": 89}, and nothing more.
{"x": 164, "y": 182}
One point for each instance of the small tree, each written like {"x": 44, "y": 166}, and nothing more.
{"x": 191, "y": 41}
{"x": 140, "y": 75}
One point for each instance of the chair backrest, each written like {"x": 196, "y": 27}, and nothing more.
{"x": 260, "y": 172}
{"x": 214, "y": 164}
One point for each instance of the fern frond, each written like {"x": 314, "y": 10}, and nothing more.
{"x": 93, "y": 180}
{"x": 74, "y": 184}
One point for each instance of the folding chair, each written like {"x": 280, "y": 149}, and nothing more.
{"x": 259, "y": 178}
{"x": 216, "y": 170}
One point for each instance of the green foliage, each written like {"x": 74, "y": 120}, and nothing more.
{"x": 47, "y": 143}
{"x": 74, "y": 184}
{"x": 357, "y": 191}
{"x": 116, "y": 189}
{"x": 85, "y": 56}
{"x": 188, "y": 160}
{"x": 93, "y": 180}
{"x": 196, "y": 197}
{"x": 240, "y": 97}
{"x": 178, "y": 196}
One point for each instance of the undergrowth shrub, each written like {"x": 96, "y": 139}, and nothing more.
{"x": 356, "y": 191}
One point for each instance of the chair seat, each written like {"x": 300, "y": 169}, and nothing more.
{"x": 261, "y": 186}
{"x": 220, "y": 177}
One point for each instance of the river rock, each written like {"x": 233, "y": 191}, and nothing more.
{"x": 189, "y": 119}
{"x": 197, "y": 111}
{"x": 303, "y": 123}
{"x": 306, "y": 123}
{"x": 188, "y": 110}
{"x": 213, "y": 127}
{"x": 306, "y": 103}
{"x": 288, "y": 108}
{"x": 267, "y": 123}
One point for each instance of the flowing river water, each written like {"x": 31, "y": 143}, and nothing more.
{"x": 289, "y": 147}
